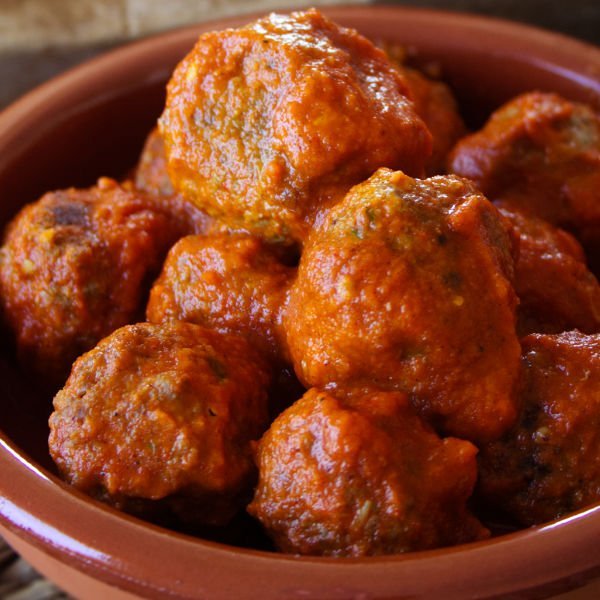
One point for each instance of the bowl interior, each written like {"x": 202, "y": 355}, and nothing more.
{"x": 92, "y": 122}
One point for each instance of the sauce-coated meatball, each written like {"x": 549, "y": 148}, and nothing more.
{"x": 362, "y": 475}
{"x": 151, "y": 173}
{"x": 163, "y": 413}
{"x": 232, "y": 282}
{"x": 268, "y": 124}
{"x": 556, "y": 290}
{"x": 544, "y": 152}
{"x": 151, "y": 176}
{"x": 435, "y": 104}
{"x": 74, "y": 267}
{"x": 408, "y": 286}
{"x": 549, "y": 464}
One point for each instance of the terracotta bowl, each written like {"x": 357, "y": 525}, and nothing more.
{"x": 91, "y": 122}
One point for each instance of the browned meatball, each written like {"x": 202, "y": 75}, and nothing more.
{"x": 544, "y": 152}
{"x": 231, "y": 282}
{"x": 549, "y": 464}
{"x": 151, "y": 177}
{"x": 408, "y": 286}
{"x": 151, "y": 171}
{"x": 435, "y": 104}
{"x": 163, "y": 413}
{"x": 556, "y": 290}
{"x": 267, "y": 125}
{"x": 74, "y": 267}
{"x": 362, "y": 475}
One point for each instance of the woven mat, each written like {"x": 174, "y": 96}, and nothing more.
{"x": 19, "y": 581}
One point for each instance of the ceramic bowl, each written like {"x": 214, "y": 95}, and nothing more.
{"x": 91, "y": 122}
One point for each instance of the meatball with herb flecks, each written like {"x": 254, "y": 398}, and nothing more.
{"x": 543, "y": 152}
{"x": 359, "y": 474}
{"x": 268, "y": 125}
{"x": 408, "y": 286}
{"x": 76, "y": 265}
{"x": 163, "y": 415}
{"x": 231, "y": 282}
{"x": 549, "y": 464}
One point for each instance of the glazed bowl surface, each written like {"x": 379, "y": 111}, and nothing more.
{"x": 91, "y": 122}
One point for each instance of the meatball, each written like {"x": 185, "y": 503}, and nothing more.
{"x": 543, "y": 152}
{"x": 361, "y": 474}
{"x": 408, "y": 286}
{"x": 75, "y": 266}
{"x": 548, "y": 464}
{"x": 151, "y": 176}
{"x": 231, "y": 282}
{"x": 166, "y": 414}
{"x": 151, "y": 172}
{"x": 436, "y": 105}
{"x": 556, "y": 290}
{"x": 268, "y": 125}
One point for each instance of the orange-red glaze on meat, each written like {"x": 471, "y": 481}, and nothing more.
{"x": 542, "y": 152}
{"x": 435, "y": 104}
{"x": 362, "y": 475}
{"x": 163, "y": 413}
{"x": 151, "y": 171}
{"x": 408, "y": 286}
{"x": 229, "y": 282}
{"x": 267, "y": 125}
{"x": 151, "y": 176}
{"x": 556, "y": 290}
{"x": 74, "y": 267}
{"x": 549, "y": 464}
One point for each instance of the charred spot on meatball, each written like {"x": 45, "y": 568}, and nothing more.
{"x": 74, "y": 267}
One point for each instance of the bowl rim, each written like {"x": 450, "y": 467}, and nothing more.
{"x": 48, "y": 514}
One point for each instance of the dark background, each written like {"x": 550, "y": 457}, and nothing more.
{"x": 579, "y": 18}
